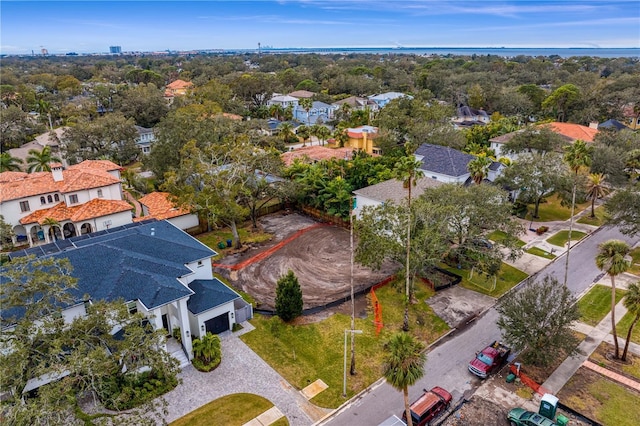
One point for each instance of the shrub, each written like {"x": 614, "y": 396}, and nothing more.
{"x": 288, "y": 297}
{"x": 207, "y": 352}
{"x": 541, "y": 230}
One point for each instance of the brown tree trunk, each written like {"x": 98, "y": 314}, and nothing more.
{"x": 613, "y": 317}
{"x": 626, "y": 344}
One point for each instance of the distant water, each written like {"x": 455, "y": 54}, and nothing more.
{"x": 506, "y": 52}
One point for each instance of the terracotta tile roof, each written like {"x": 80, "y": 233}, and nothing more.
{"x": 160, "y": 206}
{"x": 179, "y": 84}
{"x": 316, "y": 153}
{"x": 358, "y": 132}
{"x": 232, "y": 116}
{"x": 95, "y": 208}
{"x": 574, "y": 131}
{"x": 96, "y": 164}
{"x": 20, "y": 185}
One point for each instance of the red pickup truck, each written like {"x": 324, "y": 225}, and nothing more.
{"x": 489, "y": 360}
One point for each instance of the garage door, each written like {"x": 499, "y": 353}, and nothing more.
{"x": 218, "y": 324}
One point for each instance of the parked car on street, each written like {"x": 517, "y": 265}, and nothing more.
{"x": 429, "y": 406}
{"x": 489, "y": 360}
{"x": 522, "y": 417}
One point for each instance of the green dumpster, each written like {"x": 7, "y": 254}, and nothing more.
{"x": 562, "y": 420}
{"x": 511, "y": 377}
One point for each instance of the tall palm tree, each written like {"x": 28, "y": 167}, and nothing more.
{"x": 479, "y": 168}
{"x": 632, "y": 303}
{"x": 578, "y": 157}
{"x": 306, "y": 104}
{"x": 341, "y": 136}
{"x": 404, "y": 365}
{"x": 9, "y": 163}
{"x": 44, "y": 107}
{"x": 276, "y": 111}
{"x": 321, "y": 132}
{"x": 304, "y": 132}
{"x": 407, "y": 170}
{"x": 596, "y": 188}
{"x": 286, "y": 131}
{"x": 612, "y": 259}
{"x": 39, "y": 161}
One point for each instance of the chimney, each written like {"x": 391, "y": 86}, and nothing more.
{"x": 593, "y": 125}
{"x": 56, "y": 171}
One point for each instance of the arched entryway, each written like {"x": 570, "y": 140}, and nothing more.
{"x": 20, "y": 235}
{"x": 37, "y": 234}
{"x": 69, "y": 230}
{"x": 55, "y": 233}
{"x": 85, "y": 228}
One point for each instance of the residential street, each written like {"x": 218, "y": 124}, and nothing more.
{"x": 447, "y": 362}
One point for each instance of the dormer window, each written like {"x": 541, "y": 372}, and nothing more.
{"x": 56, "y": 197}
{"x": 42, "y": 200}
{"x": 50, "y": 198}
{"x": 73, "y": 199}
{"x": 100, "y": 193}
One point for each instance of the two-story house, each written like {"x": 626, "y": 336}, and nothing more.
{"x": 156, "y": 269}
{"x": 46, "y": 206}
{"x": 363, "y": 138}
{"x": 384, "y": 98}
{"x": 146, "y": 137}
{"x": 319, "y": 112}
{"x": 448, "y": 165}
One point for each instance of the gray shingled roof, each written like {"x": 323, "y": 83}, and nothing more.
{"x": 141, "y": 262}
{"x": 392, "y": 190}
{"x": 208, "y": 295}
{"x": 444, "y": 160}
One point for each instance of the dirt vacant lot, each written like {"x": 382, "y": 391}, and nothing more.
{"x": 320, "y": 258}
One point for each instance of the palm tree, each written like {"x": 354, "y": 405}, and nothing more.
{"x": 304, "y": 132}
{"x": 577, "y": 156}
{"x": 404, "y": 365}
{"x": 207, "y": 348}
{"x": 632, "y": 303}
{"x": 50, "y": 222}
{"x": 341, "y": 136}
{"x": 44, "y": 107}
{"x": 407, "y": 170}
{"x": 479, "y": 168}
{"x": 612, "y": 259}
{"x": 276, "y": 111}
{"x": 9, "y": 163}
{"x": 286, "y": 131}
{"x": 596, "y": 188}
{"x": 321, "y": 132}
{"x": 39, "y": 161}
{"x": 306, "y": 104}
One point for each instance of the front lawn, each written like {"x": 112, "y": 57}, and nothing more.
{"x": 233, "y": 410}
{"x": 560, "y": 238}
{"x": 539, "y": 252}
{"x": 601, "y": 399}
{"x": 596, "y": 221}
{"x": 622, "y": 328}
{"x": 497, "y": 236}
{"x": 552, "y": 210}
{"x": 306, "y": 352}
{"x": 635, "y": 261}
{"x": 596, "y": 304}
{"x": 508, "y": 277}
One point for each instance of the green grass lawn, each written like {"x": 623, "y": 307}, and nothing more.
{"x": 608, "y": 402}
{"x": 560, "y": 238}
{"x": 622, "y": 328}
{"x": 596, "y": 221}
{"x": 305, "y": 353}
{"x": 497, "y": 236}
{"x": 552, "y": 210}
{"x": 232, "y": 410}
{"x": 635, "y": 262}
{"x": 539, "y": 252}
{"x": 506, "y": 279}
{"x": 247, "y": 235}
{"x": 596, "y": 304}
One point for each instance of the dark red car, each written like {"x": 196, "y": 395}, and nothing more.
{"x": 429, "y": 406}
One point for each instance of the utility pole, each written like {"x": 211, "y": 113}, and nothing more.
{"x": 352, "y": 371}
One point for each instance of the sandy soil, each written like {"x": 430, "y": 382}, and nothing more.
{"x": 320, "y": 259}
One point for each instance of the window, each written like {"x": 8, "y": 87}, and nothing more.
{"x": 100, "y": 193}
{"x": 199, "y": 263}
{"x": 24, "y": 206}
{"x": 132, "y": 307}
{"x": 73, "y": 199}
{"x": 56, "y": 197}
{"x": 49, "y": 198}
{"x": 42, "y": 200}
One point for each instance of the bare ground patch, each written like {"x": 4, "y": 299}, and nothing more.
{"x": 320, "y": 259}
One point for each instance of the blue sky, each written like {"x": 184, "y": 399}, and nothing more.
{"x": 93, "y": 26}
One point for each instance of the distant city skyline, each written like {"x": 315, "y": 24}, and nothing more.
{"x": 94, "y": 26}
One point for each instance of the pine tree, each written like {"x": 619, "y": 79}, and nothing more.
{"x": 288, "y": 297}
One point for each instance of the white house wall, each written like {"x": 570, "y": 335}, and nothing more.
{"x": 446, "y": 178}
{"x": 185, "y": 221}
{"x": 197, "y": 321}
{"x": 362, "y": 202}
{"x": 201, "y": 271}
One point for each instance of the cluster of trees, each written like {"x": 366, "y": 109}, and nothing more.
{"x": 81, "y": 358}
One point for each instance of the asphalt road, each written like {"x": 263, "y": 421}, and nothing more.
{"x": 447, "y": 362}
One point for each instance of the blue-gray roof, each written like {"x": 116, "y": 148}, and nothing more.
{"x": 612, "y": 124}
{"x": 444, "y": 160}
{"x": 208, "y": 295}
{"x": 139, "y": 262}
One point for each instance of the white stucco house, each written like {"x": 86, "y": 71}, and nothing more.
{"x": 156, "y": 269}
{"x": 81, "y": 199}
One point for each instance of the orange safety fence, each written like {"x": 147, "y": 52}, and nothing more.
{"x": 528, "y": 381}
{"x": 377, "y": 307}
